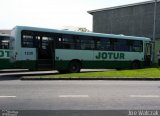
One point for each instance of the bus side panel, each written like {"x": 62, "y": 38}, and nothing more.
{"x": 106, "y": 64}
{"x": 21, "y": 57}
{"x": 112, "y": 59}
{"x": 97, "y": 59}
{"x": 5, "y": 60}
{"x": 28, "y": 59}
{"x": 25, "y": 64}
{"x": 63, "y": 57}
{"x": 15, "y": 45}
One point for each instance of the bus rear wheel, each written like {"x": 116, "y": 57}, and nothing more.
{"x": 74, "y": 67}
{"x": 136, "y": 65}
{"x": 62, "y": 71}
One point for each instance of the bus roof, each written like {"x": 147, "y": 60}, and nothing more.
{"x": 6, "y": 35}
{"x": 81, "y": 33}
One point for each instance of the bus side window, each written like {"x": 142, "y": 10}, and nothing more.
{"x": 106, "y": 44}
{"x": 77, "y": 43}
{"x": 58, "y": 41}
{"x": 5, "y": 44}
{"x": 27, "y": 39}
{"x": 97, "y": 44}
{"x": 121, "y": 45}
{"x": 68, "y": 41}
{"x": 0, "y": 43}
{"x": 87, "y": 43}
{"x": 130, "y": 45}
{"x": 137, "y": 46}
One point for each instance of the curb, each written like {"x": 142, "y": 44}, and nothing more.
{"x": 83, "y": 78}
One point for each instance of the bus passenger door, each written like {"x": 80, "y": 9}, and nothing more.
{"x": 45, "y": 53}
{"x": 148, "y": 54}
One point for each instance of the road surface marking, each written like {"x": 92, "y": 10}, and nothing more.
{"x": 144, "y": 96}
{"x": 74, "y": 96}
{"x": 7, "y": 96}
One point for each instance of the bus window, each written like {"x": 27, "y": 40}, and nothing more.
{"x": 121, "y": 45}
{"x": 58, "y": 41}
{"x": 97, "y": 44}
{"x": 106, "y": 44}
{"x": 27, "y": 39}
{"x": 45, "y": 43}
{"x": 77, "y": 43}
{"x": 68, "y": 42}
{"x": 4, "y": 42}
{"x": 64, "y": 41}
{"x": 87, "y": 43}
{"x": 137, "y": 46}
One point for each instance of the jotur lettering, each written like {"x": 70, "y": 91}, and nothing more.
{"x": 4, "y": 53}
{"x": 110, "y": 55}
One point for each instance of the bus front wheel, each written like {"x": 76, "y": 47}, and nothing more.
{"x": 74, "y": 67}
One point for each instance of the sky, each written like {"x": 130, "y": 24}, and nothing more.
{"x": 53, "y": 13}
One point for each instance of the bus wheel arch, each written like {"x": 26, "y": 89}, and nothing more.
{"x": 136, "y": 64}
{"x": 74, "y": 66}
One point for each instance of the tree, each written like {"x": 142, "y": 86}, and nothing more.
{"x": 81, "y": 29}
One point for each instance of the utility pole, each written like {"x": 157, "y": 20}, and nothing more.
{"x": 154, "y": 29}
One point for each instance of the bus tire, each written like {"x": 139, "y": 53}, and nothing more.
{"x": 62, "y": 71}
{"x": 74, "y": 67}
{"x": 136, "y": 65}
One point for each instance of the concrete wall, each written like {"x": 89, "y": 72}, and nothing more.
{"x": 136, "y": 20}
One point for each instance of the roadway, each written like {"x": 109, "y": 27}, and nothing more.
{"x": 24, "y": 72}
{"x": 79, "y": 95}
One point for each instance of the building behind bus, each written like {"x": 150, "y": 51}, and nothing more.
{"x": 133, "y": 20}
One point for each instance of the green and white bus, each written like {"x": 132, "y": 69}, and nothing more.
{"x": 4, "y": 52}
{"x": 67, "y": 51}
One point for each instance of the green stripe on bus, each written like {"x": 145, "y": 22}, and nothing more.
{"x": 25, "y": 64}
{"x": 63, "y": 65}
{"x": 6, "y": 64}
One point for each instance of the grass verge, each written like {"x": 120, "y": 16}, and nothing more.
{"x": 148, "y": 73}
